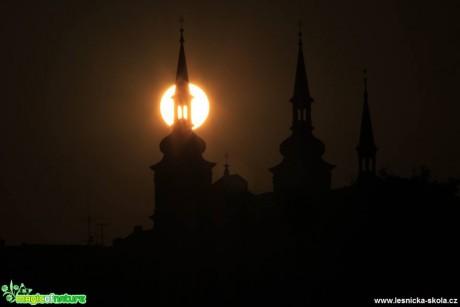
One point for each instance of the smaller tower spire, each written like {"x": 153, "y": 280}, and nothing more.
{"x": 227, "y": 166}
{"x": 366, "y": 147}
{"x": 301, "y": 100}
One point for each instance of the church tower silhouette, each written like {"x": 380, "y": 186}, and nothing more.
{"x": 183, "y": 177}
{"x": 366, "y": 148}
{"x": 302, "y": 169}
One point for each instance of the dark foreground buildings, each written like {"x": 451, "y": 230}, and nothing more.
{"x": 217, "y": 244}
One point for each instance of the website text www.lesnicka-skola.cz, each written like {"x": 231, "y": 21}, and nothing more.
{"x": 416, "y": 300}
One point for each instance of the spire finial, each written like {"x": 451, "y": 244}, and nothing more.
{"x": 300, "y": 24}
{"x": 365, "y": 83}
{"x": 226, "y": 171}
{"x": 181, "y": 21}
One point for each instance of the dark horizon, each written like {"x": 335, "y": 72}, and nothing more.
{"x": 82, "y": 83}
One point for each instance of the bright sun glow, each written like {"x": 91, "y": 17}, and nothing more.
{"x": 200, "y": 106}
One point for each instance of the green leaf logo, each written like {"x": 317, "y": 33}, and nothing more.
{"x": 13, "y": 290}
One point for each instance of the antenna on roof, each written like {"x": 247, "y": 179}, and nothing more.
{"x": 101, "y": 228}
{"x": 89, "y": 220}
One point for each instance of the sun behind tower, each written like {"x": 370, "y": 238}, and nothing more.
{"x": 199, "y": 105}
{"x": 183, "y": 178}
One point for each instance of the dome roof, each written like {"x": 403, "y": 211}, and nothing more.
{"x": 305, "y": 145}
{"x": 182, "y": 143}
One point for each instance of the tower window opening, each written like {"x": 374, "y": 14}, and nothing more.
{"x": 185, "y": 112}
{"x": 179, "y": 112}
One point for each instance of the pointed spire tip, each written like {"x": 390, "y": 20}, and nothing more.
{"x": 181, "y": 21}
{"x": 365, "y": 82}
{"x": 299, "y": 24}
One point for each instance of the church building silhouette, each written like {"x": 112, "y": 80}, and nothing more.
{"x": 214, "y": 243}
{"x": 183, "y": 178}
{"x": 218, "y": 243}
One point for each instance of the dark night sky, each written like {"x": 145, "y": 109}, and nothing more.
{"x": 81, "y": 83}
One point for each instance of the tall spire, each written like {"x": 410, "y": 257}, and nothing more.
{"x": 301, "y": 100}
{"x": 182, "y": 97}
{"x": 183, "y": 177}
{"x": 182, "y": 73}
{"x": 366, "y": 147}
{"x": 302, "y": 169}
